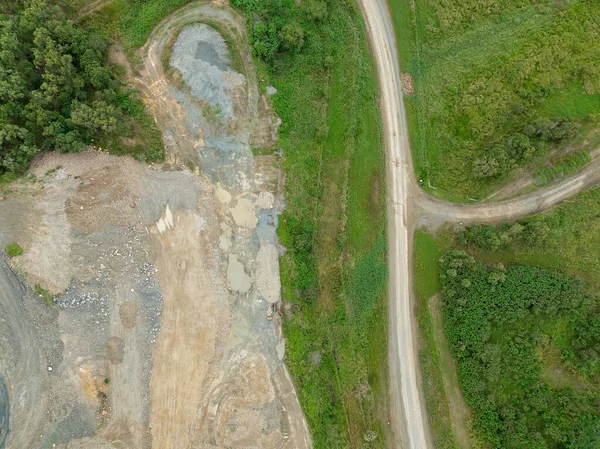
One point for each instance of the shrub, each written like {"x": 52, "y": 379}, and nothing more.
{"x": 13, "y": 249}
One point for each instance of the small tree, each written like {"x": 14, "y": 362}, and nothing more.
{"x": 292, "y": 36}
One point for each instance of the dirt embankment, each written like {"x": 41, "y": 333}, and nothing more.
{"x": 154, "y": 323}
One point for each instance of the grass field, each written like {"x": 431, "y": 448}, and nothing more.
{"x": 334, "y": 272}
{"x": 131, "y": 22}
{"x": 427, "y": 251}
{"x": 570, "y": 236}
{"x": 481, "y": 78}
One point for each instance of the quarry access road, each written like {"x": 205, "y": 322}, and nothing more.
{"x": 410, "y": 207}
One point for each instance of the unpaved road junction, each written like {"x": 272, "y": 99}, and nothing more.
{"x": 409, "y": 207}
{"x": 155, "y": 320}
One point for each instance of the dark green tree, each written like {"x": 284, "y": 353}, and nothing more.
{"x": 55, "y": 92}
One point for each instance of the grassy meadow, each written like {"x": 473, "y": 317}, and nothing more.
{"x": 499, "y": 84}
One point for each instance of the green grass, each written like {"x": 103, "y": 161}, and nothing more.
{"x": 44, "y": 295}
{"x": 572, "y": 101}
{"x": 334, "y": 273}
{"x": 427, "y": 251}
{"x": 566, "y": 166}
{"x": 13, "y": 249}
{"x": 133, "y": 21}
{"x": 570, "y": 246}
{"x": 481, "y": 79}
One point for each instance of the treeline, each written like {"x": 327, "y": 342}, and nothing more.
{"x": 486, "y": 237}
{"x": 501, "y": 323}
{"x": 270, "y": 25}
{"x": 520, "y": 146}
{"x": 55, "y": 90}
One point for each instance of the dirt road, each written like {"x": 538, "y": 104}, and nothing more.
{"x": 407, "y": 407}
{"x": 410, "y": 207}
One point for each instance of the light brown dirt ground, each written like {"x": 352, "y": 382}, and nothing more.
{"x": 155, "y": 349}
{"x": 195, "y": 324}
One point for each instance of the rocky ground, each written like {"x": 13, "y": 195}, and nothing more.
{"x": 147, "y": 311}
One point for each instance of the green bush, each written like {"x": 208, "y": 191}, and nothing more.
{"x": 501, "y": 323}
{"x": 57, "y": 93}
{"x": 13, "y": 249}
{"x": 565, "y": 167}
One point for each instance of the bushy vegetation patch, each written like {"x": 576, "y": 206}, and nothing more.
{"x": 501, "y": 322}
{"x": 135, "y": 20}
{"x": 55, "y": 91}
{"x": 427, "y": 252}
{"x": 566, "y": 238}
{"x": 13, "y": 249}
{"x": 564, "y": 167}
{"x": 498, "y": 84}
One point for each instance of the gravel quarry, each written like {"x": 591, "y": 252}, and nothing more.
{"x": 144, "y": 311}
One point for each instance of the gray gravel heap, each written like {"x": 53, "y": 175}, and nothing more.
{"x": 202, "y": 57}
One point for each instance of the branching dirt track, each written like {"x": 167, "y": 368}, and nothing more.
{"x": 410, "y": 207}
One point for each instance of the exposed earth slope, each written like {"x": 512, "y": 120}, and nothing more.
{"x": 155, "y": 319}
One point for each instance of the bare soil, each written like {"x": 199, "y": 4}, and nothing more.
{"x": 147, "y": 342}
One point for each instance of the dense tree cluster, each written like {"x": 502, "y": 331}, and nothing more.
{"x": 521, "y": 146}
{"x": 487, "y": 237}
{"x": 278, "y": 27}
{"x": 500, "y": 323}
{"x": 55, "y": 92}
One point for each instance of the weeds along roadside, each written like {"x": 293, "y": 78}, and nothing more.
{"x": 334, "y": 271}
{"x": 492, "y": 97}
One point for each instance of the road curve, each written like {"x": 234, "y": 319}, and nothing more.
{"x": 408, "y": 207}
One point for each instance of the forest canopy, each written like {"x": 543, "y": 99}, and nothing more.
{"x": 55, "y": 92}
